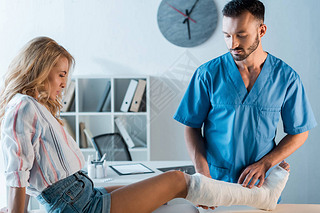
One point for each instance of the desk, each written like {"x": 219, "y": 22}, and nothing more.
{"x": 129, "y": 179}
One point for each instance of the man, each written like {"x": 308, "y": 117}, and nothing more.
{"x": 239, "y": 98}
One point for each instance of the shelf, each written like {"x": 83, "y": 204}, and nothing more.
{"x": 94, "y": 113}
{"x": 130, "y": 113}
{"x": 67, "y": 114}
{"x": 89, "y": 94}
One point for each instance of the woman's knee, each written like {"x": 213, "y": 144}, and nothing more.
{"x": 176, "y": 175}
{"x": 178, "y": 180}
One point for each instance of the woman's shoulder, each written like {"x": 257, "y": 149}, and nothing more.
{"x": 21, "y": 102}
{"x": 20, "y": 109}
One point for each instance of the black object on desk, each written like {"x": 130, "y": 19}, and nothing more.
{"x": 189, "y": 169}
{"x": 113, "y": 145}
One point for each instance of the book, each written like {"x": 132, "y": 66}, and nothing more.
{"x": 124, "y": 133}
{"x": 68, "y": 98}
{"x": 139, "y": 143}
{"x": 68, "y": 128}
{"x": 107, "y": 104}
{"x": 89, "y": 136}
{"x": 104, "y": 97}
{"x": 83, "y": 138}
{"x": 72, "y": 106}
{"x": 137, "y": 98}
{"x": 129, "y": 96}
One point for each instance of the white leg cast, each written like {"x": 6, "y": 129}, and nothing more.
{"x": 210, "y": 192}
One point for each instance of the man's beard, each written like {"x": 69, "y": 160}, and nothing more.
{"x": 250, "y": 50}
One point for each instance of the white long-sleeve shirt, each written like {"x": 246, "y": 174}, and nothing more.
{"x": 37, "y": 151}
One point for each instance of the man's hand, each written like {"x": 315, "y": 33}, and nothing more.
{"x": 254, "y": 172}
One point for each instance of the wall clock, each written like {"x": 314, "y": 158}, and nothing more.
{"x": 187, "y": 23}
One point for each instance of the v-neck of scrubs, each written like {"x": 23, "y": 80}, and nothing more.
{"x": 236, "y": 78}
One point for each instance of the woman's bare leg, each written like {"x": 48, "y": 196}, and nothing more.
{"x": 112, "y": 188}
{"x": 148, "y": 195}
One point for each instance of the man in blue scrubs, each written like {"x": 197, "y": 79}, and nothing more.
{"x": 239, "y": 98}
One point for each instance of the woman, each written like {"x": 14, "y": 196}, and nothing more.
{"x": 43, "y": 161}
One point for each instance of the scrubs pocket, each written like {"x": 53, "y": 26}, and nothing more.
{"x": 268, "y": 121}
{"x": 219, "y": 173}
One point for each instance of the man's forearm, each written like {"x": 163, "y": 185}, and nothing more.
{"x": 254, "y": 172}
{"x": 196, "y": 149}
{"x": 288, "y": 145}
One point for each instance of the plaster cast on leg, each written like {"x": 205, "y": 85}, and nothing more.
{"x": 210, "y": 192}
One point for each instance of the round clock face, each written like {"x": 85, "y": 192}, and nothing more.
{"x": 187, "y": 23}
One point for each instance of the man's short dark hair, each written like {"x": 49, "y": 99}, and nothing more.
{"x": 235, "y": 8}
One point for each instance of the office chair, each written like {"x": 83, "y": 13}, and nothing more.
{"x": 113, "y": 145}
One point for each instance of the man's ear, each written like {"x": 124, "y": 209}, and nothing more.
{"x": 262, "y": 30}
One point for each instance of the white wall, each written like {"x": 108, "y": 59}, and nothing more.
{"x": 122, "y": 37}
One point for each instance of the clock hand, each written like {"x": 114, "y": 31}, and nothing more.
{"x": 188, "y": 24}
{"x": 187, "y": 17}
{"x": 191, "y": 10}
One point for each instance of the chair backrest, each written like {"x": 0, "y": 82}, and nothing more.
{"x": 113, "y": 145}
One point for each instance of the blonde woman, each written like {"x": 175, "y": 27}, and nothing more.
{"x": 43, "y": 161}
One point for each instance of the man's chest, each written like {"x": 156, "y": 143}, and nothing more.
{"x": 262, "y": 90}
{"x": 249, "y": 78}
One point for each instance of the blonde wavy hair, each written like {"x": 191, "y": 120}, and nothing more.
{"x": 28, "y": 74}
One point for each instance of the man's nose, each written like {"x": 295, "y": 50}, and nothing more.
{"x": 234, "y": 43}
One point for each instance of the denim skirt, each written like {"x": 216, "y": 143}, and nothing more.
{"x": 75, "y": 194}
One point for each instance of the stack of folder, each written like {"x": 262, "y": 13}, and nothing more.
{"x": 134, "y": 96}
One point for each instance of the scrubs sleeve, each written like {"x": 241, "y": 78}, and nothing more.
{"x": 296, "y": 111}
{"x": 17, "y": 140}
{"x": 195, "y": 104}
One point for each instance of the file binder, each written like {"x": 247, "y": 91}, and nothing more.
{"x": 83, "y": 138}
{"x": 124, "y": 133}
{"x": 136, "y": 101}
{"x": 129, "y": 96}
{"x": 104, "y": 97}
{"x": 68, "y": 98}
{"x": 143, "y": 104}
{"x": 89, "y": 136}
{"x": 107, "y": 104}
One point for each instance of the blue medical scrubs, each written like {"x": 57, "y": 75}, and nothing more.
{"x": 239, "y": 126}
